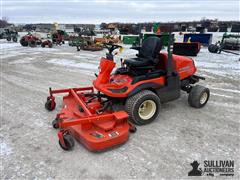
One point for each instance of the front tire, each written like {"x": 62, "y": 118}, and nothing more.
{"x": 50, "y": 104}
{"x": 143, "y": 107}
{"x": 23, "y": 42}
{"x": 198, "y": 96}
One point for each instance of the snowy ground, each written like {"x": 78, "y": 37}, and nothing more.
{"x": 162, "y": 149}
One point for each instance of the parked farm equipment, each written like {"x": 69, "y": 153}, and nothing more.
{"x": 47, "y": 43}
{"x": 34, "y": 41}
{"x": 186, "y": 48}
{"x": 108, "y": 39}
{"x": 137, "y": 40}
{"x": 228, "y": 43}
{"x": 30, "y": 40}
{"x": 77, "y": 41}
{"x": 84, "y": 43}
{"x": 58, "y": 37}
{"x": 204, "y": 38}
{"x": 92, "y": 46}
{"x": 8, "y": 34}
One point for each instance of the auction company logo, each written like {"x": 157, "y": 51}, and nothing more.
{"x": 212, "y": 168}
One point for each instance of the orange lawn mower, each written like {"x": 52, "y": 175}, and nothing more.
{"x": 102, "y": 116}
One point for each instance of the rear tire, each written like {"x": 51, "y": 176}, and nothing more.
{"x": 143, "y": 107}
{"x": 14, "y": 39}
{"x": 198, "y": 96}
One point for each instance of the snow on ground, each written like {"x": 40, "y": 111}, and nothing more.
{"x": 6, "y": 45}
{"x": 220, "y": 64}
{"x": 6, "y": 150}
{"x": 72, "y": 63}
{"x": 22, "y": 61}
{"x": 162, "y": 149}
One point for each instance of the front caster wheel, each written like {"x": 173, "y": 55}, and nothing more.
{"x": 68, "y": 143}
{"x": 198, "y": 96}
{"x": 50, "y": 104}
{"x": 55, "y": 123}
{"x": 132, "y": 128}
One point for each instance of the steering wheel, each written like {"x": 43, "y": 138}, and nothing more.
{"x": 111, "y": 47}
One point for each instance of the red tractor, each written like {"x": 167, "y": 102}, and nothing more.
{"x": 58, "y": 37}
{"x": 103, "y": 115}
{"x": 47, "y": 43}
{"x": 30, "y": 40}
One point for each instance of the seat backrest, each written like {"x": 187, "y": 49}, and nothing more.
{"x": 150, "y": 48}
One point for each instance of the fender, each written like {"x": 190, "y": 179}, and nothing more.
{"x": 143, "y": 87}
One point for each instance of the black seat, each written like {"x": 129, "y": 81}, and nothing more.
{"x": 148, "y": 54}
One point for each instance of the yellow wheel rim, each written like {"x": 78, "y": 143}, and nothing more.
{"x": 203, "y": 98}
{"x": 147, "y": 109}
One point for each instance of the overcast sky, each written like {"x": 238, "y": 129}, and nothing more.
{"x": 97, "y": 11}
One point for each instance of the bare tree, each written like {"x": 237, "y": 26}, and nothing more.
{"x": 4, "y": 22}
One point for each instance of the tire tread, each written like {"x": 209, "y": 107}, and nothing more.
{"x": 131, "y": 102}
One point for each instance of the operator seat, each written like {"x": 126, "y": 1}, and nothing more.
{"x": 146, "y": 60}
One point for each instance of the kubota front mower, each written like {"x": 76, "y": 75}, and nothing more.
{"x": 103, "y": 115}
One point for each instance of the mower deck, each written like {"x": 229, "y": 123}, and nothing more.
{"x": 83, "y": 118}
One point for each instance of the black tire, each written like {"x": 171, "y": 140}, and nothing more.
{"x": 213, "y": 48}
{"x": 134, "y": 102}
{"x": 198, "y": 96}
{"x": 32, "y": 43}
{"x": 50, "y": 105}
{"x": 8, "y": 38}
{"x": 55, "y": 123}
{"x": 69, "y": 142}
{"x": 38, "y": 42}
{"x": 43, "y": 45}
{"x": 23, "y": 42}
{"x": 50, "y": 45}
{"x": 14, "y": 39}
{"x": 132, "y": 129}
